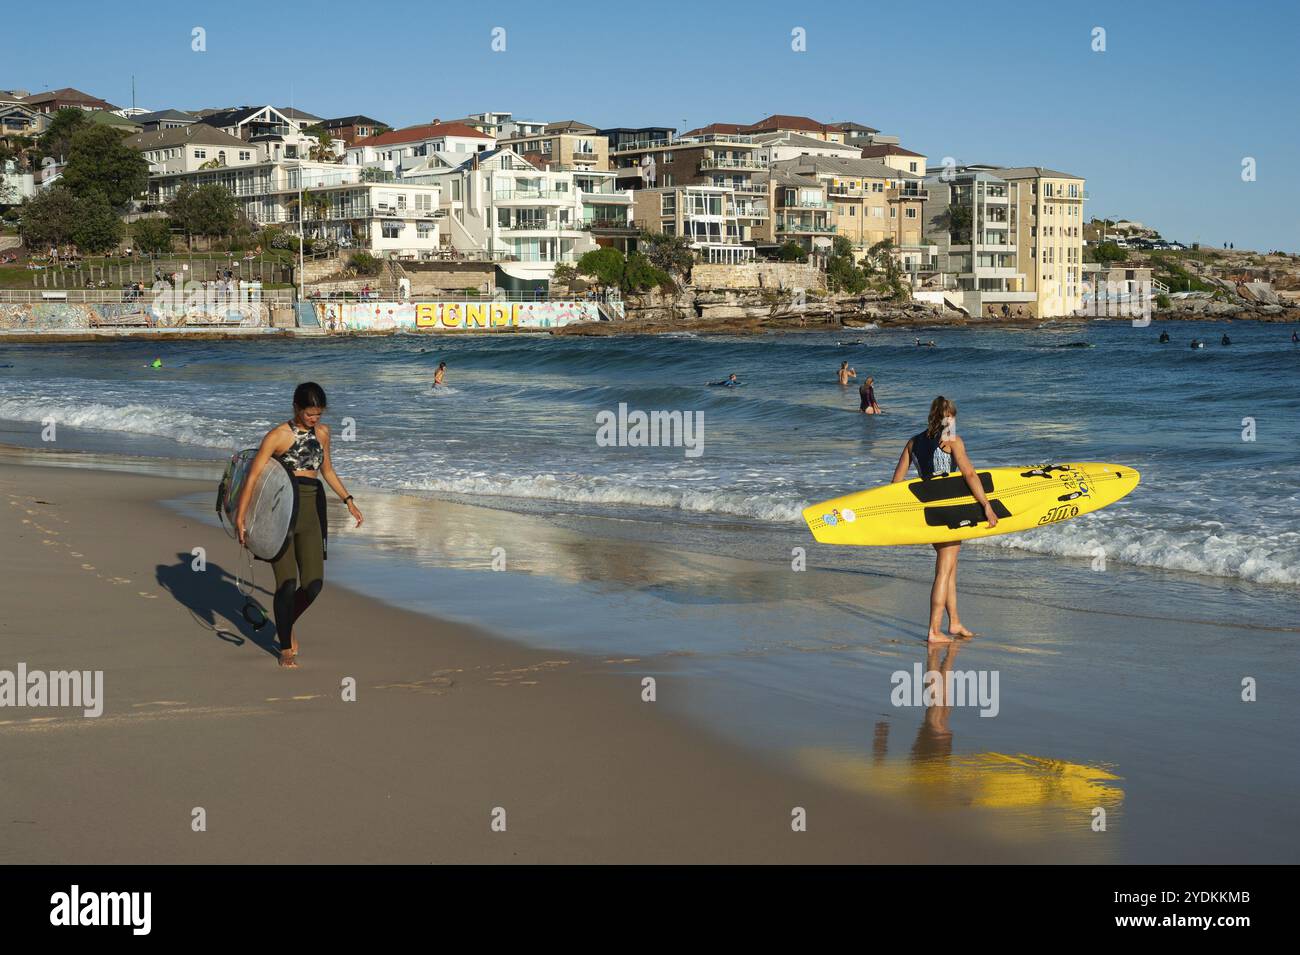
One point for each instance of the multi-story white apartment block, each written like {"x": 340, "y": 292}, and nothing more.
{"x": 503, "y": 207}
{"x": 363, "y": 209}
{"x": 778, "y": 147}
{"x": 403, "y": 149}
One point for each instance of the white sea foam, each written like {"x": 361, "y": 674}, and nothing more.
{"x": 575, "y": 489}
{"x": 1201, "y": 550}
{"x": 161, "y": 422}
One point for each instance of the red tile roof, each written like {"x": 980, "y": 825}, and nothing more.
{"x": 722, "y": 129}
{"x": 781, "y": 121}
{"x": 415, "y": 134}
{"x": 888, "y": 149}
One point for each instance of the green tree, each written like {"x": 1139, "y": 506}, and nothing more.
{"x": 605, "y": 265}
{"x": 1105, "y": 253}
{"x": 842, "y": 275}
{"x": 152, "y": 235}
{"x": 642, "y": 274}
{"x": 49, "y": 218}
{"x": 669, "y": 253}
{"x": 100, "y": 163}
{"x": 323, "y": 150}
{"x": 208, "y": 210}
{"x": 56, "y": 141}
{"x": 98, "y": 228}
{"x": 882, "y": 270}
{"x": 791, "y": 251}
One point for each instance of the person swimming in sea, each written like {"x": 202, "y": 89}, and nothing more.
{"x": 1197, "y": 343}
{"x": 845, "y": 373}
{"x": 1225, "y": 340}
{"x": 921, "y": 344}
{"x": 440, "y": 376}
{"x": 1164, "y": 338}
{"x": 867, "y": 394}
{"x": 938, "y": 450}
{"x": 1295, "y": 337}
{"x": 729, "y": 382}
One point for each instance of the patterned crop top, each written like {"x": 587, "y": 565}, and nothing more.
{"x": 306, "y": 453}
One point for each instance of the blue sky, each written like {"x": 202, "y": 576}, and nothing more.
{"x": 1158, "y": 123}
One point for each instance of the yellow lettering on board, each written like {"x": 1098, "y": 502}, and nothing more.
{"x": 476, "y": 314}
{"x": 499, "y": 314}
{"x": 426, "y": 315}
{"x": 451, "y": 314}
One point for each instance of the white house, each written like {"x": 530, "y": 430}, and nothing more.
{"x": 402, "y": 149}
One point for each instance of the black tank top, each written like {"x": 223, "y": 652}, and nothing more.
{"x": 928, "y": 458}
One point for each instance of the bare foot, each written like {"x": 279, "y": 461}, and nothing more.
{"x": 287, "y": 660}
{"x": 959, "y": 631}
{"x": 936, "y": 636}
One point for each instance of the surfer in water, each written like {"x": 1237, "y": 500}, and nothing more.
{"x": 440, "y": 376}
{"x": 1164, "y": 338}
{"x": 729, "y": 382}
{"x": 938, "y": 450}
{"x": 867, "y": 394}
{"x": 845, "y": 373}
{"x": 303, "y": 444}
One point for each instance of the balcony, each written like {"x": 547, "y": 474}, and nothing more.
{"x": 531, "y": 195}
{"x": 807, "y": 204}
{"x": 723, "y": 162}
{"x": 896, "y": 194}
{"x": 804, "y": 228}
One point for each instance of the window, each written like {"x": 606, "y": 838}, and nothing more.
{"x": 893, "y": 212}
{"x": 853, "y": 211}
{"x": 245, "y": 155}
{"x": 424, "y": 230}
{"x": 392, "y": 230}
{"x": 911, "y": 213}
{"x": 200, "y": 154}
{"x": 668, "y": 204}
{"x": 911, "y": 167}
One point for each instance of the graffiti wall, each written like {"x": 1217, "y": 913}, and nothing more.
{"x": 45, "y": 317}
{"x": 72, "y": 316}
{"x": 451, "y": 316}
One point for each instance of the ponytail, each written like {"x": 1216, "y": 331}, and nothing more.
{"x": 941, "y": 410}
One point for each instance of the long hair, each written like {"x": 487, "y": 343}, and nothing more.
{"x": 941, "y": 409}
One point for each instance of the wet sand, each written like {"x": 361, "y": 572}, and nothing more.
{"x": 450, "y": 725}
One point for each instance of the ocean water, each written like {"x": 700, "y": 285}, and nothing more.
{"x": 518, "y": 426}
{"x": 652, "y": 553}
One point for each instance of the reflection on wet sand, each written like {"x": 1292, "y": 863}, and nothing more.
{"x": 1031, "y": 795}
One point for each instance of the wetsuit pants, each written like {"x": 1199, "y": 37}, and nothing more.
{"x": 300, "y": 570}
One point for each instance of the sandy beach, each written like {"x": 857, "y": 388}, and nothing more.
{"x": 449, "y": 724}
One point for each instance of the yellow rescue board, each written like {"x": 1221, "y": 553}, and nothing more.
{"x": 942, "y": 508}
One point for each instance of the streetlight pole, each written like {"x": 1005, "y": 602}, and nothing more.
{"x": 302, "y": 267}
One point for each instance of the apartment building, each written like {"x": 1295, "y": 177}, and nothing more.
{"x": 777, "y": 147}
{"x": 183, "y": 149}
{"x": 972, "y": 217}
{"x": 606, "y": 209}
{"x": 894, "y": 155}
{"x": 635, "y": 137}
{"x": 410, "y": 147}
{"x": 501, "y": 206}
{"x": 1049, "y": 237}
{"x": 704, "y": 214}
{"x": 360, "y": 208}
{"x": 564, "y": 146}
{"x": 350, "y": 129}
{"x": 801, "y": 211}
{"x": 871, "y": 202}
